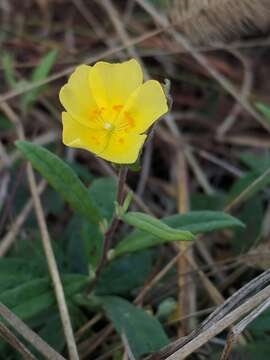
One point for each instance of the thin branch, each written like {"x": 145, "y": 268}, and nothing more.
{"x": 46, "y": 241}
{"x": 239, "y": 328}
{"x": 224, "y": 316}
{"x": 29, "y": 334}
{"x": 221, "y": 325}
{"x": 202, "y": 60}
{"x": 10, "y": 338}
{"x": 92, "y": 59}
{"x": 7, "y": 241}
{"x": 114, "y": 223}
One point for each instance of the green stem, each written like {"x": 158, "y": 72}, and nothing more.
{"x": 114, "y": 224}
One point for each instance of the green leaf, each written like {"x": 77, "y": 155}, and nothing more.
{"x": 240, "y": 185}
{"x": 5, "y": 124}
{"x": 252, "y": 214}
{"x": 103, "y": 194}
{"x": 155, "y": 227}
{"x": 200, "y": 201}
{"x": 256, "y": 163}
{"x": 257, "y": 350}
{"x": 37, "y": 295}
{"x": 76, "y": 248}
{"x": 14, "y": 272}
{"x": 265, "y": 110}
{"x": 85, "y": 239}
{"x": 119, "y": 277}
{"x": 62, "y": 178}
{"x": 84, "y": 245}
{"x": 260, "y": 327}
{"x": 253, "y": 186}
{"x": 40, "y": 73}
{"x": 52, "y": 328}
{"x": 52, "y": 333}
{"x": 135, "y": 167}
{"x": 143, "y": 332}
{"x": 8, "y": 70}
{"x": 196, "y": 222}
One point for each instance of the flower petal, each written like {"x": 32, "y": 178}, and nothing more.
{"x": 112, "y": 84}
{"x": 145, "y": 106}
{"x": 123, "y": 148}
{"x": 80, "y": 136}
{"x": 77, "y": 98}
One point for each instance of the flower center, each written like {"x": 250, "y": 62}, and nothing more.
{"x": 108, "y": 126}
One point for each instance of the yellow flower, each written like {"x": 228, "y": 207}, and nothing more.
{"x": 109, "y": 108}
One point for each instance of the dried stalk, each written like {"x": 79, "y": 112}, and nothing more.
{"x": 10, "y": 338}
{"x": 46, "y": 241}
{"x": 48, "y": 352}
{"x": 239, "y": 328}
{"x": 208, "y": 20}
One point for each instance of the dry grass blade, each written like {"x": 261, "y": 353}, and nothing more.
{"x": 240, "y": 303}
{"x": 29, "y": 335}
{"x": 239, "y": 328}
{"x": 221, "y": 325}
{"x": 10, "y": 237}
{"x": 206, "y": 20}
{"x": 10, "y": 338}
{"x": 186, "y": 298}
{"x": 46, "y": 241}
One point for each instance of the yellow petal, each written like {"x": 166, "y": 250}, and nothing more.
{"x": 112, "y": 84}
{"x": 77, "y": 98}
{"x": 144, "y": 107}
{"x": 79, "y": 136}
{"x": 123, "y": 148}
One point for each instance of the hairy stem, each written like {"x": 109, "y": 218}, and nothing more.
{"x": 114, "y": 223}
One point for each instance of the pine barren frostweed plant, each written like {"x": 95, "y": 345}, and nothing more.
{"x": 109, "y": 109}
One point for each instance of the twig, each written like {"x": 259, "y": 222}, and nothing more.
{"x": 187, "y": 297}
{"x": 10, "y": 338}
{"x": 58, "y": 287}
{"x": 4, "y": 155}
{"x": 245, "y": 193}
{"x": 7, "y": 241}
{"x": 3, "y": 190}
{"x": 119, "y": 27}
{"x": 45, "y": 237}
{"x": 217, "y": 318}
{"x": 128, "y": 352}
{"x": 137, "y": 199}
{"x": 43, "y": 139}
{"x": 87, "y": 346}
{"x": 221, "y": 325}
{"x": 201, "y": 59}
{"x": 239, "y": 328}
{"x": 114, "y": 223}
{"x": 67, "y": 71}
{"x": 159, "y": 276}
{"x": 245, "y": 92}
{"x": 29, "y": 334}
{"x": 88, "y": 325}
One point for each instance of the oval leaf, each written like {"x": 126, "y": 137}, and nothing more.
{"x": 62, "y": 178}
{"x": 155, "y": 227}
{"x": 196, "y": 222}
{"x": 143, "y": 333}
{"x": 37, "y": 295}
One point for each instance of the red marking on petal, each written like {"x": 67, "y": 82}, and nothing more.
{"x": 117, "y": 107}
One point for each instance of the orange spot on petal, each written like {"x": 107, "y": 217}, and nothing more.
{"x": 121, "y": 141}
{"x": 129, "y": 119}
{"x": 117, "y": 107}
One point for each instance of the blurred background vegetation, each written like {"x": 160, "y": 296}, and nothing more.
{"x": 210, "y": 153}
